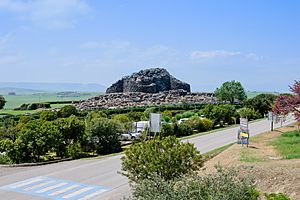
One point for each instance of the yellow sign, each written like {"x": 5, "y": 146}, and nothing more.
{"x": 245, "y": 135}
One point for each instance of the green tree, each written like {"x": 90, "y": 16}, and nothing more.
{"x": 104, "y": 135}
{"x": 48, "y": 115}
{"x": 223, "y": 113}
{"x": 248, "y": 113}
{"x": 72, "y": 131}
{"x": 261, "y": 103}
{"x": 2, "y": 102}
{"x": 67, "y": 111}
{"x": 167, "y": 158}
{"x": 231, "y": 91}
{"x": 125, "y": 122}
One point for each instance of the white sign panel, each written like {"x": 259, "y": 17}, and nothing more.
{"x": 155, "y": 122}
{"x": 243, "y": 123}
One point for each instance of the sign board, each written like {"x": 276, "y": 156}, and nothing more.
{"x": 155, "y": 122}
{"x": 243, "y": 123}
{"x": 243, "y": 137}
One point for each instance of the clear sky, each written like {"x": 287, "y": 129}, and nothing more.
{"x": 202, "y": 42}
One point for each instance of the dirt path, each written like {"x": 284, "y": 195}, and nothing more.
{"x": 272, "y": 173}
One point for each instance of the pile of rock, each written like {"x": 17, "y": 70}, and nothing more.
{"x": 151, "y": 80}
{"x": 139, "y": 99}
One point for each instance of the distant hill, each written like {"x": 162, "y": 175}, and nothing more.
{"x": 23, "y": 88}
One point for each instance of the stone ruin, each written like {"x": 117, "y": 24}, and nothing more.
{"x": 152, "y": 80}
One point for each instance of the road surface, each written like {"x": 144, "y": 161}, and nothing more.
{"x": 95, "y": 178}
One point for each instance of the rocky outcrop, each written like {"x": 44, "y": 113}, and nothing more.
{"x": 152, "y": 80}
{"x": 138, "y": 99}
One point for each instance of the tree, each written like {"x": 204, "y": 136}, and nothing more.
{"x": 261, "y": 103}
{"x": 286, "y": 104}
{"x": 67, "y": 111}
{"x": 248, "y": 113}
{"x": 231, "y": 91}
{"x": 48, "y": 115}
{"x": 104, "y": 135}
{"x": 2, "y": 102}
{"x": 167, "y": 158}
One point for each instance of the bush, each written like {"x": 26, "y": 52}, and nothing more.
{"x": 74, "y": 150}
{"x": 167, "y": 130}
{"x": 48, "y": 115}
{"x": 196, "y": 123}
{"x": 33, "y": 106}
{"x": 104, "y": 135}
{"x": 167, "y": 158}
{"x": 67, "y": 111}
{"x": 188, "y": 114}
{"x": 208, "y": 124}
{"x": 4, "y": 159}
{"x": 182, "y": 129}
{"x": 222, "y": 185}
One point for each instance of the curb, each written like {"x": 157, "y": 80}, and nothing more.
{"x": 35, "y": 164}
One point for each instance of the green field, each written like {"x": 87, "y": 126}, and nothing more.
{"x": 17, "y": 100}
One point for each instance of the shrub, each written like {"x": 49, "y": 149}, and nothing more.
{"x": 67, "y": 111}
{"x": 104, "y": 135}
{"x": 167, "y": 158}
{"x": 48, "y": 115}
{"x": 74, "y": 150}
{"x": 167, "y": 130}
{"x": 179, "y": 116}
{"x": 196, "y": 123}
{"x": 208, "y": 124}
{"x": 182, "y": 129}
{"x": 188, "y": 114}
{"x": 225, "y": 184}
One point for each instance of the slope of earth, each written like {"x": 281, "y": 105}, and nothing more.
{"x": 272, "y": 173}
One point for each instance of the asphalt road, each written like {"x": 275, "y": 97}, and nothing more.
{"x": 95, "y": 178}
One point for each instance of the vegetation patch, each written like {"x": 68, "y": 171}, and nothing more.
{"x": 288, "y": 144}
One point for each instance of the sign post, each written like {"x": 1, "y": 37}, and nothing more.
{"x": 272, "y": 118}
{"x": 155, "y": 123}
{"x": 243, "y": 132}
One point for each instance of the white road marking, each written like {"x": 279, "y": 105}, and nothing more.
{"x": 64, "y": 190}
{"x": 93, "y": 194}
{"x": 26, "y": 183}
{"x": 39, "y": 185}
{"x": 51, "y": 187}
{"x": 73, "y": 194}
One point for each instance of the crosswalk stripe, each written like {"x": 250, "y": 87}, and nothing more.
{"x": 51, "y": 187}
{"x": 93, "y": 194}
{"x": 64, "y": 190}
{"x": 26, "y": 183}
{"x": 39, "y": 185}
{"x": 73, "y": 194}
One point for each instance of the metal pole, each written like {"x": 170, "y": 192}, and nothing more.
{"x": 272, "y": 125}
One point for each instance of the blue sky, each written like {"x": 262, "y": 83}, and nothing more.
{"x": 202, "y": 42}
